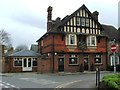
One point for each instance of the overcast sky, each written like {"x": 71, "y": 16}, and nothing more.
{"x": 26, "y": 20}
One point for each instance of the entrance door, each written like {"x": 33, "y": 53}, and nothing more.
{"x": 85, "y": 63}
{"x": 27, "y": 64}
{"x": 61, "y": 64}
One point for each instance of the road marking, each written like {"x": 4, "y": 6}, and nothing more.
{"x": 65, "y": 84}
{"x": 3, "y": 85}
{"x": 7, "y": 85}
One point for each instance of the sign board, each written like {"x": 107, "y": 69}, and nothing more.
{"x": 113, "y": 48}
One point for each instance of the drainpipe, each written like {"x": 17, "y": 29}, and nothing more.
{"x": 53, "y": 55}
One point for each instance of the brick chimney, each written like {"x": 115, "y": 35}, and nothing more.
{"x": 49, "y": 18}
{"x": 95, "y": 14}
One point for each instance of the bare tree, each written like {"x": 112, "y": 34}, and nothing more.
{"x": 21, "y": 47}
{"x": 5, "y": 38}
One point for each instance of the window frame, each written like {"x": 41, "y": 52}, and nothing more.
{"x": 16, "y": 59}
{"x": 82, "y": 22}
{"x": 112, "y": 60}
{"x": 73, "y": 57}
{"x": 90, "y": 41}
{"x": 68, "y": 39}
{"x": 87, "y": 22}
{"x": 78, "y": 21}
{"x": 34, "y": 60}
{"x": 99, "y": 57}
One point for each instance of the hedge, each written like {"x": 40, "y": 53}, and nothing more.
{"x": 112, "y": 81}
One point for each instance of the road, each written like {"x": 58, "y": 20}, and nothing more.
{"x": 53, "y": 81}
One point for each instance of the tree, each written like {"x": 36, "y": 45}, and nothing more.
{"x": 5, "y": 38}
{"x": 21, "y": 47}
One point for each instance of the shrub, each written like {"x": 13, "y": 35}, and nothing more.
{"x": 113, "y": 81}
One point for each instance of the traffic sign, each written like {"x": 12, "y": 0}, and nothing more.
{"x": 113, "y": 48}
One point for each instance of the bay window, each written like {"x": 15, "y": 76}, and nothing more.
{"x": 91, "y": 41}
{"x": 71, "y": 39}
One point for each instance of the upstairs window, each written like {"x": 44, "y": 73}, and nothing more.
{"x": 87, "y": 22}
{"x": 71, "y": 39}
{"x": 91, "y": 41}
{"x": 78, "y": 21}
{"x": 82, "y": 21}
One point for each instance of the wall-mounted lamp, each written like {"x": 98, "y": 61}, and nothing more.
{"x": 55, "y": 53}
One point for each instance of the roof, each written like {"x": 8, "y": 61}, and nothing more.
{"x": 25, "y": 53}
{"x": 34, "y": 47}
{"x": 111, "y": 31}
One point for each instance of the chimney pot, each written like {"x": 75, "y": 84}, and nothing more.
{"x": 49, "y": 10}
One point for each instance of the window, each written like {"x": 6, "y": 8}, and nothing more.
{"x": 98, "y": 59}
{"x": 18, "y": 62}
{"x": 91, "y": 41}
{"x": 112, "y": 60}
{"x": 73, "y": 59}
{"x": 82, "y": 21}
{"x": 71, "y": 39}
{"x": 34, "y": 62}
{"x": 78, "y": 21}
{"x": 87, "y": 22}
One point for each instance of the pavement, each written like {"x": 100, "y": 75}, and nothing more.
{"x": 74, "y": 84}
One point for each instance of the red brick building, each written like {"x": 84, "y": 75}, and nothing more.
{"x": 73, "y": 44}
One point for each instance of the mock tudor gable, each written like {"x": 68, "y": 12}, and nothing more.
{"x": 81, "y": 21}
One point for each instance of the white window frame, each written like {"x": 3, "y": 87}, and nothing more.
{"x": 89, "y": 41}
{"x": 16, "y": 59}
{"x": 68, "y": 39}
{"x": 112, "y": 60}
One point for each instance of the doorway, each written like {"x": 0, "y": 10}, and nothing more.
{"x": 61, "y": 64}
{"x": 85, "y": 63}
{"x": 27, "y": 64}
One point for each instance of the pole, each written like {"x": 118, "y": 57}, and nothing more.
{"x": 114, "y": 63}
{"x": 114, "y": 60}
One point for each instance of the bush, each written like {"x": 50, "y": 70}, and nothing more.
{"x": 112, "y": 81}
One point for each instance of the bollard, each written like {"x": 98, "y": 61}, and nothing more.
{"x": 96, "y": 76}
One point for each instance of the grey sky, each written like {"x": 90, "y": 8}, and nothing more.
{"x": 26, "y": 20}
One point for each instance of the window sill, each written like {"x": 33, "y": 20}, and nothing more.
{"x": 73, "y": 64}
{"x": 71, "y": 46}
{"x": 98, "y": 63}
{"x": 92, "y": 47}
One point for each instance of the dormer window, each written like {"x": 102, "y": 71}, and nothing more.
{"x": 71, "y": 39}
